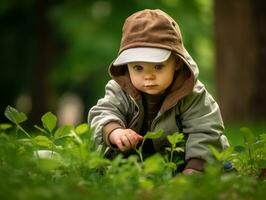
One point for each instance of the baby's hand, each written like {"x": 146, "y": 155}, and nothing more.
{"x": 124, "y": 139}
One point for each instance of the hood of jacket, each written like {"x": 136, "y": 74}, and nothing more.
{"x": 155, "y": 28}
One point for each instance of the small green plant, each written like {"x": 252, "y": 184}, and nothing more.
{"x": 253, "y": 153}
{"x": 250, "y": 158}
{"x": 149, "y": 135}
{"x": 61, "y": 162}
{"x": 223, "y": 159}
{"x": 174, "y": 139}
{"x": 17, "y": 118}
{"x": 66, "y": 145}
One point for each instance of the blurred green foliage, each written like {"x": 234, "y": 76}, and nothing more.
{"x": 234, "y": 134}
{"x": 91, "y": 32}
{"x": 64, "y": 164}
{"x": 87, "y": 37}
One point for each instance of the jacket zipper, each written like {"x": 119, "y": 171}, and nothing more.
{"x": 155, "y": 121}
{"x": 136, "y": 115}
{"x": 157, "y": 118}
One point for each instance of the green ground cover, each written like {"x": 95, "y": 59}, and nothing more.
{"x": 62, "y": 163}
{"x": 235, "y": 135}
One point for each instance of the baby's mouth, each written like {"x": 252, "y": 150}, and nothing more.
{"x": 150, "y": 85}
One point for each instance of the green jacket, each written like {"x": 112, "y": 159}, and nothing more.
{"x": 200, "y": 114}
{"x": 187, "y": 96}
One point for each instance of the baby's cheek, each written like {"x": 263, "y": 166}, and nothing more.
{"x": 136, "y": 83}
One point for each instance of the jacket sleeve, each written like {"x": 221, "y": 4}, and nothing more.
{"x": 111, "y": 108}
{"x": 203, "y": 123}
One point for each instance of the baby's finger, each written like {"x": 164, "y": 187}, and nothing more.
{"x": 136, "y": 135}
{"x": 133, "y": 139}
{"x": 119, "y": 144}
{"x": 140, "y": 138}
{"x": 125, "y": 142}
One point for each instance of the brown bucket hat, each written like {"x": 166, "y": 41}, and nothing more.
{"x": 151, "y": 28}
{"x": 148, "y": 36}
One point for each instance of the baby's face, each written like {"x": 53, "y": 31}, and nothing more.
{"x": 152, "y": 78}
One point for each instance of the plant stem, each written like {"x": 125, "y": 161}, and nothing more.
{"x": 250, "y": 157}
{"x": 140, "y": 155}
{"x": 20, "y": 128}
{"x": 171, "y": 155}
{"x": 139, "y": 151}
{"x": 77, "y": 138}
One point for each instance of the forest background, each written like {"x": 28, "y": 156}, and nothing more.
{"x": 54, "y": 54}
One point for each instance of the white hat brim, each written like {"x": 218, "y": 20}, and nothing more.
{"x": 142, "y": 54}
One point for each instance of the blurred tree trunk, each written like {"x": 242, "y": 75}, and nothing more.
{"x": 240, "y": 36}
{"x": 41, "y": 89}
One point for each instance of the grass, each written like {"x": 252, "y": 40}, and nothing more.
{"x": 235, "y": 135}
{"x": 74, "y": 170}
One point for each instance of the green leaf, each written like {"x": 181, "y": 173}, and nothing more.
{"x": 248, "y": 135}
{"x": 5, "y": 126}
{"x": 263, "y": 137}
{"x": 154, "y": 164}
{"x": 146, "y": 184}
{"x": 171, "y": 165}
{"x": 63, "y": 131}
{"x": 215, "y": 152}
{"x": 41, "y": 129}
{"x": 82, "y": 128}
{"x": 179, "y": 149}
{"x": 154, "y": 135}
{"x": 97, "y": 162}
{"x": 15, "y": 116}
{"x": 227, "y": 153}
{"x": 175, "y": 138}
{"x": 43, "y": 141}
{"x": 49, "y": 164}
{"x": 222, "y": 156}
{"x": 24, "y": 141}
{"x": 49, "y": 121}
{"x": 258, "y": 145}
{"x": 168, "y": 149}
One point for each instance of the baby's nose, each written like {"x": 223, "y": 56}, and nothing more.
{"x": 149, "y": 76}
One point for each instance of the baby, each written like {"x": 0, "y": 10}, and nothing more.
{"x": 155, "y": 86}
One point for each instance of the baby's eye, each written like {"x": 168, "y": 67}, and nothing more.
{"x": 158, "y": 66}
{"x": 138, "y": 68}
